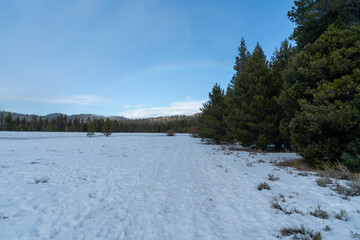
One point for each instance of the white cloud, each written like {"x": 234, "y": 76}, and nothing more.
{"x": 187, "y": 107}
{"x": 76, "y": 100}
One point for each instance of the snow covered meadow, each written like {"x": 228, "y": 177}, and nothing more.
{"x": 149, "y": 186}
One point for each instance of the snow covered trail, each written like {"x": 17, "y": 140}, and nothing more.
{"x": 149, "y": 186}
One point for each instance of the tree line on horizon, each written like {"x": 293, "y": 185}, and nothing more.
{"x": 305, "y": 98}
{"x": 180, "y": 124}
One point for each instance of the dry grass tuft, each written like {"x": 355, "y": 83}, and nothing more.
{"x": 298, "y": 164}
{"x": 338, "y": 171}
{"x": 332, "y": 170}
{"x": 304, "y": 232}
{"x": 263, "y": 185}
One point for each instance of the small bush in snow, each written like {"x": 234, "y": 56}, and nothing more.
{"x": 327, "y": 228}
{"x": 249, "y": 164}
{"x": 193, "y": 131}
{"x": 352, "y": 190}
{"x": 41, "y": 180}
{"x": 304, "y": 174}
{"x": 271, "y": 177}
{"x": 170, "y": 132}
{"x": 319, "y": 213}
{"x": 276, "y": 205}
{"x": 324, "y": 181}
{"x": 355, "y": 235}
{"x": 342, "y": 215}
{"x": 262, "y": 186}
{"x": 301, "y": 233}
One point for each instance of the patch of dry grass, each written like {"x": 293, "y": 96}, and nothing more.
{"x": 298, "y": 164}
{"x": 332, "y": 170}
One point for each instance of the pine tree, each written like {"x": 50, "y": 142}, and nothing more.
{"x": 107, "y": 128}
{"x": 211, "y": 121}
{"x": 91, "y": 129}
{"x": 313, "y": 17}
{"x": 232, "y": 98}
{"x": 327, "y": 125}
{"x": 279, "y": 64}
{"x": 258, "y": 112}
{"x": 240, "y": 62}
{"x": 9, "y": 123}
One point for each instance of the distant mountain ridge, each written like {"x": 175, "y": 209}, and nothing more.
{"x": 55, "y": 115}
{"x": 85, "y": 116}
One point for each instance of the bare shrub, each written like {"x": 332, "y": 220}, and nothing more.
{"x": 41, "y": 180}
{"x": 275, "y": 204}
{"x": 271, "y": 177}
{"x": 170, "y": 132}
{"x": 304, "y": 233}
{"x": 304, "y": 173}
{"x": 249, "y": 164}
{"x": 262, "y": 186}
{"x": 352, "y": 189}
{"x": 327, "y": 228}
{"x": 324, "y": 181}
{"x": 319, "y": 213}
{"x": 193, "y": 131}
{"x": 355, "y": 235}
{"x": 342, "y": 215}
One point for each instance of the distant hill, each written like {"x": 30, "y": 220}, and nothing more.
{"x": 28, "y": 117}
{"x": 55, "y": 115}
{"x": 171, "y": 118}
{"x": 83, "y": 116}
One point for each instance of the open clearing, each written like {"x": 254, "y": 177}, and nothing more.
{"x": 149, "y": 186}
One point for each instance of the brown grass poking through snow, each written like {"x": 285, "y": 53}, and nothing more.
{"x": 298, "y": 164}
{"x": 332, "y": 170}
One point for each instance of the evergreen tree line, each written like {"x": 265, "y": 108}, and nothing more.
{"x": 180, "y": 124}
{"x": 305, "y": 98}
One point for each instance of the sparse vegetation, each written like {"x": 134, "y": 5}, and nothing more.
{"x": 337, "y": 171}
{"x": 352, "y": 189}
{"x": 319, "y": 213}
{"x": 342, "y": 215}
{"x": 262, "y": 186}
{"x": 298, "y": 164}
{"x": 327, "y": 228}
{"x": 323, "y": 181}
{"x": 271, "y": 177}
{"x": 249, "y": 164}
{"x": 41, "y": 180}
{"x": 276, "y": 205}
{"x": 355, "y": 235}
{"x": 304, "y": 173}
{"x": 301, "y": 233}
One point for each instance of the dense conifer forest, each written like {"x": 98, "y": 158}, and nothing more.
{"x": 306, "y": 97}
{"x": 62, "y": 123}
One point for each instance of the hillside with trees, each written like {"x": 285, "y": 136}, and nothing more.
{"x": 306, "y": 97}
{"x": 93, "y": 123}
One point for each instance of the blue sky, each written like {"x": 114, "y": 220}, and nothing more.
{"x": 137, "y": 58}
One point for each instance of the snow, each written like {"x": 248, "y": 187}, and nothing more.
{"x": 150, "y": 186}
